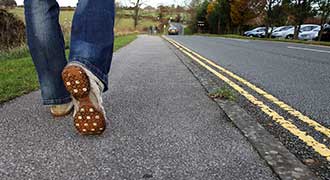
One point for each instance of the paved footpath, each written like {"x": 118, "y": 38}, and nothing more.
{"x": 162, "y": 126}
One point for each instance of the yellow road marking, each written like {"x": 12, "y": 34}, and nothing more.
{"x": 276, "y": 101}
{"x": 310, "y": 141}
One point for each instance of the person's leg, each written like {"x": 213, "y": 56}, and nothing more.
{"x": 92, "y": 37}
{"x": 86, "y": 76}
{"x": 46, "y": 44}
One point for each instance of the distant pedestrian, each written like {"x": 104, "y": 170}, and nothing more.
{"x": 156, "y": 30}
{"x": 150, "y": 30}
{"x": 153, "y": 29}
{"x": 80, "y": 82}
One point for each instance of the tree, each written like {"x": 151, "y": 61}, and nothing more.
{"x": 201, "y": 13}
{"x": 178, "y": 18}
{"x": 193, "y": 3}
{"x": 300, "y": 10}
{"x": 224, "y": 16}
{"x": 179, "y": 9}
{"x": 212, "y": 16}
{"x": 137, "y": 6}
{"x": 192, "y": 6}
{"x": 218, "y": 16}
{"x": 161, "y": 12}
{"x": 270, "y": 14}
{"x": 280, "y": 15}
{"x": 323, "y": 10}
{"x": 242, "y": 11}
{"x": 136, "y": 13}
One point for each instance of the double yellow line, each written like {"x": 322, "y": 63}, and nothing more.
{"x": 293, "y": 129}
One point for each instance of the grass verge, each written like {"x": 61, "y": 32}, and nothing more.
{"x": 235, "y": 36}
{"x": 18, "y": 76}
{"x": 121, "y": 41}
{"x": 16, "y": 53}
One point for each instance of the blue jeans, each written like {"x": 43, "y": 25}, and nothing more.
{"x": 91, "y": 43}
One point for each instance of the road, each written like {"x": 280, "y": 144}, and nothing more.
{"x": 297, "y": 74}
{"x": 162, "y": 126}
{"x": 284, "y": 86}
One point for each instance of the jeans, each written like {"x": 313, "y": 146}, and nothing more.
{"x": 91, "y": 43}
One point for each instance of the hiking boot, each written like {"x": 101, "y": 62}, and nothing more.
{"x": 61, "y": 110}
{"x": 86, "y": 89}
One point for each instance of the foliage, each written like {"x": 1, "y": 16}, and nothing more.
{"x": 244, "y": 10}
{"x": 213, "y": 16}
{"x": 270, "y": 15}
{"x": 279, "y": 16}
{"x": 225, "y": 16}
{"x": 223, "y": 93}
{"x": 323, "y": 10}
{"x": 7, "y": 3}
{"x": 202, "y": 11}
{"x": 198, "y": 12}
{"x": 188, "y": 31}
{"x": 232, "y": 16}
{"x": 12, "y": 31}
{"x": 218, "y": 15}
{"x": 300, "y": 10}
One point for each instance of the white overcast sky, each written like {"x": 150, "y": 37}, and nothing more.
{"x": 154, "y": 3}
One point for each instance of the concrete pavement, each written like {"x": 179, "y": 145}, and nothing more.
{"x": 162, "y": 126}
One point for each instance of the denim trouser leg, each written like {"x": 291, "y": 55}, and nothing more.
{"x": 47, "y": 48}
{"x": 92, "y": 37}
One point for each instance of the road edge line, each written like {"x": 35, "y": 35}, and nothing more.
{"x": 283, "y": 163}
{"x": 289, "y": 109}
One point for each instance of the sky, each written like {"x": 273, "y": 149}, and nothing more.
{"x": 154, "y": 3}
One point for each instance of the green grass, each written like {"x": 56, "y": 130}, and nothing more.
{"x": 125, "y": 24}
{"x": 235, "y": 36}
{"x": 16, "y": 53}
{"x": 18, "y": 76}
{"x": 122, "y": 41}
{"x": 223, "y": 93}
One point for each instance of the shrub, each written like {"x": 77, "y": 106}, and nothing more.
{"x": 8, "y": 3}
{"x": 12, "y": 31}
{"x": 188, "y": 31}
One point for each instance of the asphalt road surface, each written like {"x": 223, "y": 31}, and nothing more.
{"x": 162, "y": 126}
{"x": 296, "y": 74}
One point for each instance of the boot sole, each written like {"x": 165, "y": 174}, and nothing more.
{"x": 88, "y": 120}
